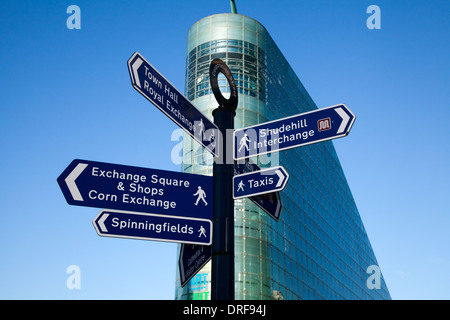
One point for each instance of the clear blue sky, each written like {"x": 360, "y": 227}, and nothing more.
{"x": 66, "y": 94}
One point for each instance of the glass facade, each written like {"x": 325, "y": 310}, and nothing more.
{"x": 319, "y": 249}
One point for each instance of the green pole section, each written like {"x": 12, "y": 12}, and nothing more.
{"x": 233, "y": 6}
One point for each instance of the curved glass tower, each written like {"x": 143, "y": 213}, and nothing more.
{"x": 319, "y": 249}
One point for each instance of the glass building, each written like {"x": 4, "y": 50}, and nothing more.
{"x": 319, "y": 249}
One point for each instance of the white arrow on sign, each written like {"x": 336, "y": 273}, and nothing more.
{"x": 282, "y": 178}
{"x": 135, "y": 66}
{"x": 70, "y": 181}
{"x": 345, "y": 119}
{"x": 101, "y": 222}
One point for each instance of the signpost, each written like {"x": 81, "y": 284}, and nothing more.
{"x": 127, "y": 188}
{"x": 191, "y": 260}
{"x": 195, "y": 210}
{"x": 144, "y": 226}
{"x": 295, "y": 131}
{"x": 159, "y": 91}
{"x": 259, "y": 182}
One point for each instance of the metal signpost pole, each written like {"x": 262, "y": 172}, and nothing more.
{"x": 222, "y": 279}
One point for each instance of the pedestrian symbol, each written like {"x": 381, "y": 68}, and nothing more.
{"x": 201, "y": 196}
{"x": 244, "y": 142}
{"x": 241, "y": 186}
{"x": 202, "y": 232}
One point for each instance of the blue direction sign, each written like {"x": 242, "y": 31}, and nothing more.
{"x": 159, "y": 91}
{"x": 192, "y": 258}
{"x": 259, "y": 182}
{"x": 269, "y": 202}
{"x": 295, "y": 131}
{"x": 112, "y": 186}
{"x": 144, "y": 226}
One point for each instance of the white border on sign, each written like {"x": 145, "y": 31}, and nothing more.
{"x": 262, "y": 171}
{"x": 100, "y": 233}
{"x": 345, "y": 133}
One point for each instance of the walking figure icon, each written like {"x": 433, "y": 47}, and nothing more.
{"x": 240, "y": 186}
{"x": 202, "y": 232}
{"x": 244, "y": 142}
{"x": 201, "y": 196}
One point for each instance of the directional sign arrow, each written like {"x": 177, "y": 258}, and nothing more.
{"x": 295, "y": 131}
{"x": 70, "y": 181}
{"x": 159, "y": 91}
{"x": 101, "y": 222}
{"x": 191, "y": 260}
{"x": 113, "y": 186}
{"x": 144, "y": 226}
{"x": 259, "y": 182}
